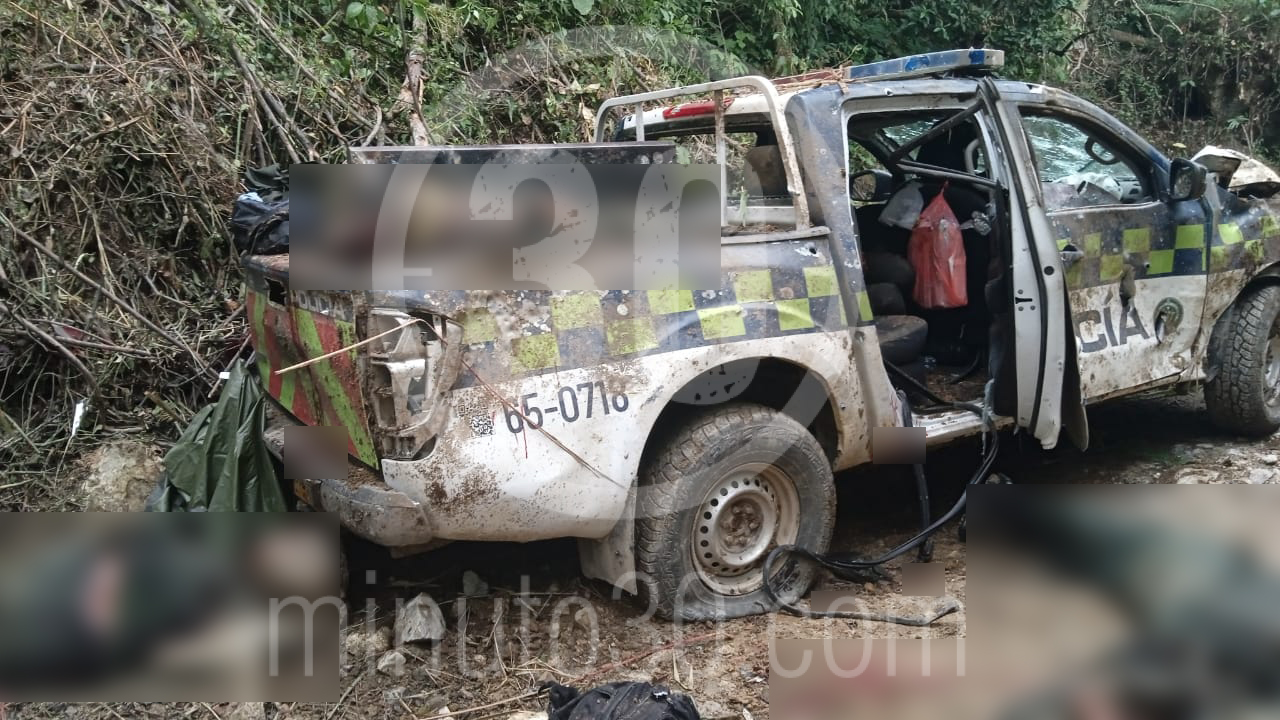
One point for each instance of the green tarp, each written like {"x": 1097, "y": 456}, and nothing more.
{"x": 220, "y": 464}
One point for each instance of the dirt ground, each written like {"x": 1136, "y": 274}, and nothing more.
{"x": 725, "y": 668}
{"x": 531, "y": 617}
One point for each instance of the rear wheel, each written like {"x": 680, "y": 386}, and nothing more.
{"x": 1244, "y": 394}
{"x": 716, "y": 498}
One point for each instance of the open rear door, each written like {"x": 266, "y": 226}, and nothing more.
{"x": 1041, "y": 344}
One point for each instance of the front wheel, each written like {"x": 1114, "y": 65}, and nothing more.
{"x": 716, "y": 498}
{"x": 1243, "y": 396}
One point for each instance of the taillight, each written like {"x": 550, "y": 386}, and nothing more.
{"x": 690, "y": 109}
{"x": 411, "y": 367}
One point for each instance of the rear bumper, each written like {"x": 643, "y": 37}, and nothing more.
{"x": 464, "y": 491}
{"x": 379, "y": 515}
{"x": 363, "y": 504}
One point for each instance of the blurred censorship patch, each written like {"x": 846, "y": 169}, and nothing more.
{"x": 1128, "y": 601}
{"x": 924, "y": 579}
{"x": 453, "y": 221}
{"x": 1098, "y": 602}
{"x": 897, "y": 678}
{"x": 314, "y": 452}
{"x": 897, "y": 445}
{"x": 169, "y": 607}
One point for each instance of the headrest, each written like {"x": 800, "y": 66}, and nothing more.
{"x": 763, "y": 172}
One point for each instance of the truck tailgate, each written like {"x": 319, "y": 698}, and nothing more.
{"x": 289, "y": 328}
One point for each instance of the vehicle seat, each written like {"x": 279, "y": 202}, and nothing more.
{"x": 763, "y": 173}
{"x": 902, "y": 337}
{"x": 889, "y": 275}
{"x": 875, "y": 236}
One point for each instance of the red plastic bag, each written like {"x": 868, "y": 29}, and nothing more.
{"x": 936, "y": 251}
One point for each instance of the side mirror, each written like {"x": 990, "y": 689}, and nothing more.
{"x": 1187, "y": 180}
{"x": 874, "y": 185}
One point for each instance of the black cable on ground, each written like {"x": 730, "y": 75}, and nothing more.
{"x": 843, "y": 564}
{"x": 925, "y": 551}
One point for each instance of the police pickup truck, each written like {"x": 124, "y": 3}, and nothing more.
{"x": 681, "y": 435}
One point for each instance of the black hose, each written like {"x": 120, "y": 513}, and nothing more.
{"x": 842, "y": 565}
{"x": 969, "y": 370}
{"x": 915, "y": 385}
{"x": 925, "y": 553}
{"x": 922, "y": 491}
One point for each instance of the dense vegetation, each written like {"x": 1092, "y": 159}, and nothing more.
{"x": 124, "y": 125}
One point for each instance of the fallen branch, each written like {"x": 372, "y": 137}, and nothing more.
{"x": 411, "y": 89}
{"x": 88, "y": 344}
{"x": 478, "y": 708}
{"x": 108, "y": 131}
{"x": 377, "y": 125}
{"x": 51, "y": 341}
{"x": 302, "y": 64}
{"x": 239, "y": 351}
{"x": 352, "y": 686}
{"x": 260, "y": 95}
{"x": 673, "y": 645}
{"x": 178, "y": 342}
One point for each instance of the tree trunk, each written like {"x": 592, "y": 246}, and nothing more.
{"x": 411, "y": 90}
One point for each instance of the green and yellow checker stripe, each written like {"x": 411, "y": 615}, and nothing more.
{"x": 587, "y": 328}
{"x": 1106, "y": 252}
{"x": 1244, "y": 240}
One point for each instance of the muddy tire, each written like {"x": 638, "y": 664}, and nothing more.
{"x": 1243, "y": 396}
{"x": 715, "y": 498}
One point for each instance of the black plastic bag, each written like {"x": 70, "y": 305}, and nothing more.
{"x": 270, "y": 182}
{"x": 619, "y": 701}
{"x": 259, "y": 227}
{"x": 260, "y": 217}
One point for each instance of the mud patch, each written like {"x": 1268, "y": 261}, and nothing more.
{"x": 120, "y": 475}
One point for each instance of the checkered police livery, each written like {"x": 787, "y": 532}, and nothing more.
{"x": 781, "y": 288}
{"x": 1105, "y": 252}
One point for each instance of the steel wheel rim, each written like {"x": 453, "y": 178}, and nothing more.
{"x": 749, "y": 511}
{"x": 1271, "y": 366}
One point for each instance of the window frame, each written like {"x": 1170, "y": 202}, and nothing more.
{"x": 1137, "y": 161}
{"x": 897, "y": 162}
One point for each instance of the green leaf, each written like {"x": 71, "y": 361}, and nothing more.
{"x": 583, "y": 6}
{"x": 354, "y": 9}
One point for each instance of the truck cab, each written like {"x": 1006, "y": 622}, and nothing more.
{"x": 681, "y": 435}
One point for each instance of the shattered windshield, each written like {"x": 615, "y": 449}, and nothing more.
{"x": 1059, "y": 147}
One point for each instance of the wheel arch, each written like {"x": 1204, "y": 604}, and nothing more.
{"x": 1241, "y": 347}
{"x": 783, "y": 384}
{"x": 773, "y": 383}
{"x": 1270, "y": 275}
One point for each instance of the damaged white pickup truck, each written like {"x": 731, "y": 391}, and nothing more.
{"x": 682, "y": 435}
